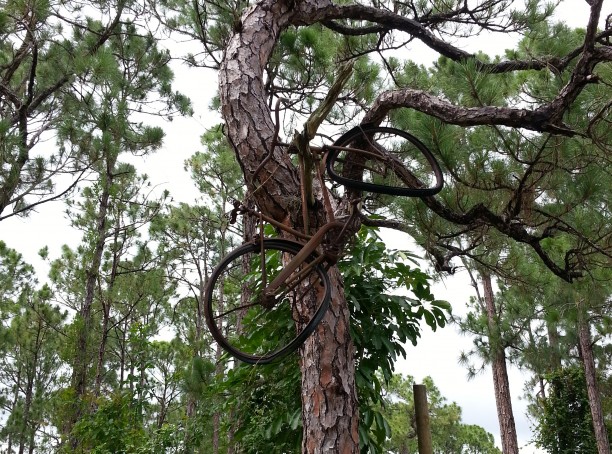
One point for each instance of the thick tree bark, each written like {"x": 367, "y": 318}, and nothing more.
{"x": 501, "y": 384}
{"x": 329, "y": 401}
{"x": 590, "y": 373}
{"x": 275, "y": 188}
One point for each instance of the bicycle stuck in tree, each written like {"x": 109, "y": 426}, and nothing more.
{"x": 267, "y": 296}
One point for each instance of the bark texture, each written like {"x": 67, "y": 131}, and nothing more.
{"x": 328, "y": 393}
{"x": 501, "y": 384}
{"x": 329, "y": 400}
{"x": 590, "y": 373}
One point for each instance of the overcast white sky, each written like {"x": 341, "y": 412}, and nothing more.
{"x": 437, "y": 353}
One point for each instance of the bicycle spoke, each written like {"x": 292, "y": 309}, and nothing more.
{"x": 251, "y": 325}
{"x": 235, "y": 309}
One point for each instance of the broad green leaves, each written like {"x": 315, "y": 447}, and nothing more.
{"x": 389, "y": 297}
{"x": 565, "y": 423}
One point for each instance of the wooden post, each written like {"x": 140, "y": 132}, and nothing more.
{"x": 422, "y": 419}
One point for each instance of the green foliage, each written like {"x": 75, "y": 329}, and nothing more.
{"x": 215, "y": 171}
{"x": 15, "y": 274}
{"x": 168, "y": 439}
{"x": 116, "y": 425}
{"x": 263, "y": 407}
{"x": 84, "y": 74}
{"x": 565, "y": 425}
{"x": 449, "y": 434}
{"x": 30, "y": 367}
{"x": 89, "y": 69}
{"x": 388, "y": 299}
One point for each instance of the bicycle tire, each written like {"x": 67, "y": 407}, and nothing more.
{"x": 241, "y": 325}
{"x": 362, "y": 158}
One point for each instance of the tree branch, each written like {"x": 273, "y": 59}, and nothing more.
{"x": 537, "y": 120}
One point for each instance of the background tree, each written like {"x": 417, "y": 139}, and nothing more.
{"x": 120, "y": 305}
{"x": 538, "y": 327}
{"x": 52, "y": 58}
{"x": 449, "y": 434}
{"x": 193, "y": 238}
{"x": 31, "y": 366}
{"x": 565, "y": 422}
{"x": 523, "y": 137}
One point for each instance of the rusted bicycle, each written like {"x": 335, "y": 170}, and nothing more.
{"x": 267, "y": 296}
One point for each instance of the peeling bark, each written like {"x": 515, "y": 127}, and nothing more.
{"x": 329, "y": 398}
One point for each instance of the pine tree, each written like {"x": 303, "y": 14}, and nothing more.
{"x": 258, "y": 64}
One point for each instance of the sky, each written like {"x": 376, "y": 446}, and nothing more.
{"x": 436, "y": 355}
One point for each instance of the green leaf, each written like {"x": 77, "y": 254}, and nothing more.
{"x": 296, "y": 419}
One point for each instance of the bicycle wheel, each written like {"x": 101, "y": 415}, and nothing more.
{"x": 248, "y": 326}
{"x": 385, "y": 161}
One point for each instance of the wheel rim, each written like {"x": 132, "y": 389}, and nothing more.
{"x": 261, "y": 333}
{"x": 406, "y": 168}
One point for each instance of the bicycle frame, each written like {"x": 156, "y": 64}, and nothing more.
{"x": 312, "y": 242}
{"x": 308, "y": 248}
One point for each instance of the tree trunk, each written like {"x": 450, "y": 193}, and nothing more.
{"x": 106, "y": 307}
{"x": 102, "y": 348}
{"x": 421, "y": 410}
{"x": 329, "y": 401}
{"x": 9, "y": 443}
{"x": 501, "y": 384}
{"x": 122, "y": 347}
{"x": 553, "y": 342}
{"x": 26, "y": 410}
{"x": 82, "y": 358}
{"x": 328, "y": 382}
{"x": 590, "y": 373}
{"x": 32, "y": 444}
{"x": 79, "y": 371}
{"x": 29, "y": 391}
{"x": 163, "y": 406}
